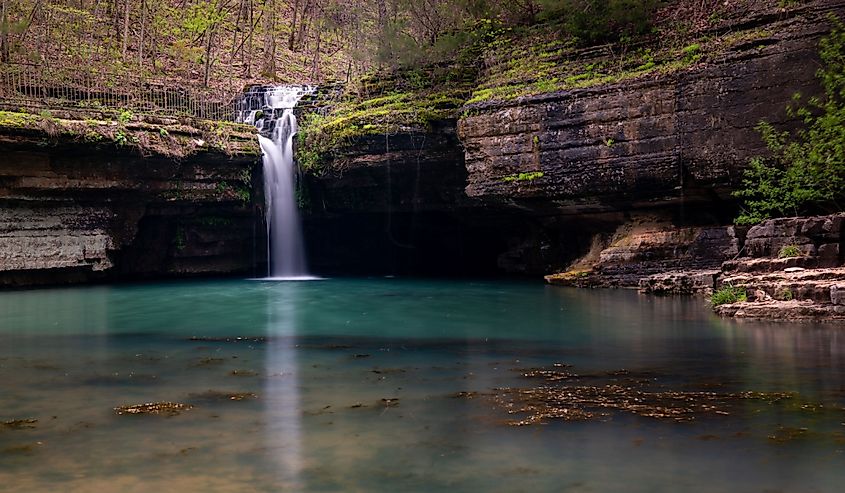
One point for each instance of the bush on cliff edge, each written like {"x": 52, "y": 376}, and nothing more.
{"x": 806, "y": 170}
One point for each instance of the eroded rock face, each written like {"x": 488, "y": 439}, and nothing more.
{"x": 783, "y": 310}
{"x": 667, "y": 139}
{"x": 73, "y": 213}
{"x": 396, "y": 204}
{"x": 411, "y": 172}
{"x": 654, "y": 254}
{"x": 817, "y": 236}
{"x": 527, "y": 186}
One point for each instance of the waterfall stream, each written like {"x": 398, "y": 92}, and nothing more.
{"x": 270, "y": 109}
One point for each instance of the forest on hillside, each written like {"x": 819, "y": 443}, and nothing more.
{"x": 234, "y": 43}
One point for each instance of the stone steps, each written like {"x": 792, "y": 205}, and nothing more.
{"x": 783, "y": 310}
{"x": 760, "y": 265}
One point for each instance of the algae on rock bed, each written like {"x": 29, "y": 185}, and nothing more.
{"x": 564, "y": 394}
{"x": 155, "y": 408}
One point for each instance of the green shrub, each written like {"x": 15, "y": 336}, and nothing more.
{"x": 790, "y": 251}
{"x": 728, "y": 294}
{"x": 784, "y": 294}
{"x": 805, "y": 172}
{"x": 125, "y": 116}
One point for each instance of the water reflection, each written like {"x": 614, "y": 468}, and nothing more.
{"x": 364, "y": 386}
{"x": 808, "y": 358}
{"x": 282, "y": 402}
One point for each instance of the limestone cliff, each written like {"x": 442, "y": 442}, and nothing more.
{"x": 635, "y": 164}
{"x": 656, "y": 139}
{"x": 72, "y": 211}
{"x": 529, "y": 184}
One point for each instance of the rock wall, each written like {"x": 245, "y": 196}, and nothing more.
{"x": 657, "y": 140}
{"x": 635, "y": 175}
{"x": 74, "y": 213}
{"x": 395, "y": 204}
{"x": 421, "y": 170}
{"x": 791, "y": 268}
{"x": 819, "y": 237}
{"x": 529, "y": 186}
{"x": 646, "y": 245}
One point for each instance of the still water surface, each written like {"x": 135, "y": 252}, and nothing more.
{"x": 390, "y": 385}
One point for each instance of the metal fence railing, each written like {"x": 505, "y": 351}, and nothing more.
{"x": 36, "y": 87}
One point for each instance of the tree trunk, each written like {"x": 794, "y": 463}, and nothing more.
{"x": 304, "y": 21}
{"x": 141, "y": 37}
{"x": 248, "y": 57}
{"x": 125, "y": 28}
{"x": 315, "y": 69}
{"x": 269, "y": 66}
{"x": 208, "y": 44}
{"x": 4, "y": 33}
{"x": 292, "y": 37}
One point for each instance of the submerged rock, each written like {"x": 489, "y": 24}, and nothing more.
{"x": 571, "y": 397}
{"x": 581, "y": 403}
{"x": 465, "y": 395}
{"x": 243, "y": 373}
{"x": 18, "y": 424}
{"x": 23, "y": 449}
{"x": 208, "y": 362}
{"x": 156, "y": 408}
{"x": 388, "y": 371}
{"x": 215, "y": 395}
{"x": 390, "y": 402}
{"x": 228, "y": 339}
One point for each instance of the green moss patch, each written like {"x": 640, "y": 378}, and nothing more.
{"x": 526, "y": 66}
{"x": 393, "y": 103}
{"x": 523, "y": 177}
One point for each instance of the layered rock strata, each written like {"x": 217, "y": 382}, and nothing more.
{"x": 530, "y": 185}
{"x": 788, "y": 269}
{"x": 74, "y": 213}
{"x": 673, "y": 138}
{"x": 651, "y": 245}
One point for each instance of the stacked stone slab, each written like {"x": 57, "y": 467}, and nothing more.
{"x": 811, "y": 285}
{"x": 818, "y": 237}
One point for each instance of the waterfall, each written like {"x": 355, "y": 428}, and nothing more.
{"x": 270, "y": 109}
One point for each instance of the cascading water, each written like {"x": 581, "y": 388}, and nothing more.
{"x": 270, "y": 109}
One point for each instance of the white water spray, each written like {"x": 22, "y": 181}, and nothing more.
{"x": 285, "y": 249}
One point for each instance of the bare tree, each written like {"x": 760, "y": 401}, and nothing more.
{"x": 125, "y": 28}
{"x": 4, "y": 32}
{"x": 269, "y": 65}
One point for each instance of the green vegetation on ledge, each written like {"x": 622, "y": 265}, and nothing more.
{"x": 528, "y": 66}
{"x": 496, "y": 59}
{"x": 404, "y": 101}
{"x": 728, "y": 294}
{"x": 121, "y": 128}
{"x": 789, "y": 251}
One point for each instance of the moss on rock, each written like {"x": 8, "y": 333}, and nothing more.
{"x": 149, "y": 135}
